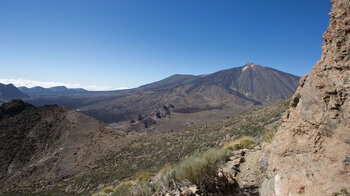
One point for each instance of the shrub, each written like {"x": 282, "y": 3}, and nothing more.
{"x": 244, "y": 142}
{"x": 143, "y": 176}
{"x": 166, "y": 169}
{"x": 268, "y": 136}
{"x": 200, "y": 165}
{"x": 107, "y": 189}
{"x": 124, "y": 188}
{"x": 143, "y": 189}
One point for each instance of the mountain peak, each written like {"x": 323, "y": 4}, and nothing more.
{"x": 248, "y": 65}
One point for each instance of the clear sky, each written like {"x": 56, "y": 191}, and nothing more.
{"x": 101, "y": 44}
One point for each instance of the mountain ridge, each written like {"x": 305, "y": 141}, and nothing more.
{"x": 51, "y": 90}
{"x": 9, "y": 92}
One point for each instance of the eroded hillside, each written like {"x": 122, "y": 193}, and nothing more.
{"x": 43, "y": 146}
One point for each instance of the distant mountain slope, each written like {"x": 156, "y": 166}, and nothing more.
{"x": 256, "y": 82}
{"x": 262, "y": 84}
{"x": 53, "y": 90}
{"x": 9, "y": 92}
{"x": 237, "y": 88}
{"x": 168, "y": 83}
{"x": 45, "y": 145}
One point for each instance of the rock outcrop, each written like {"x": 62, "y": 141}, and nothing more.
{"x": 310, "y": 154}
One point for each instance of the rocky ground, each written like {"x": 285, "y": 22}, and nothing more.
{"x": 241, "y": 174}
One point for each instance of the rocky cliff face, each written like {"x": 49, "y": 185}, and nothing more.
{"x": 310, "y": 154}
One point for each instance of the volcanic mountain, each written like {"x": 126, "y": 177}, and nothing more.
{"x": 238, "y": 88}
{"x": 9, "y": 92}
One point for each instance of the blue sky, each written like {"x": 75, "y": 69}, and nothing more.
{"x": 101, "y": 44}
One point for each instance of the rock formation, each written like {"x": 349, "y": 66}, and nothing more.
{"x": 310, "y": 154}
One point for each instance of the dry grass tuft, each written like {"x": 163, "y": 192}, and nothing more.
{"x": 244, "y": 142}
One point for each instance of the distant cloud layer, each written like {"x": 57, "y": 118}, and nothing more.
{"x": 32, "y": 83}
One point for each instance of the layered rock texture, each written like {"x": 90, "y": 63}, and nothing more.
{"x": 310, "y": 154}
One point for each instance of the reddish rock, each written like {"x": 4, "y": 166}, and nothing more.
{"x": 310, "y": 149}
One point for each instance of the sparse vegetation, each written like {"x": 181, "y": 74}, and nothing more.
{"x": 200, "y": 165}
{"x": 150, "y": 153}
{"x": 244, "y": 142}
{"x": 107, "y": 189}
{"x": 196, "y": 168}
{"x": 123, "y": 188}
{"x": 343, "y": 192}
{"x": 268, "y": 137}
{"x": 143, "y": 176}
{"x": 166, "y": 169}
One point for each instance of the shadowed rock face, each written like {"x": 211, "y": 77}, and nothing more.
{"x": 310, "y": 154}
